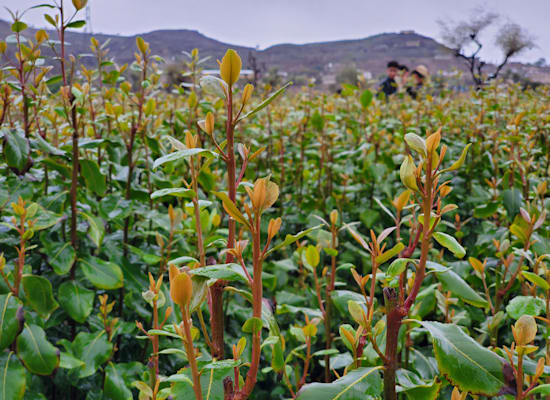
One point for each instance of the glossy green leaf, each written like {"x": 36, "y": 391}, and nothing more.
{"x": 512, "y": 199}
{"x": 415, "y": 388}
{"x": 92, "y": 348}
{"x": 61, "y": 256}
{"x": 114, "y": 387}
{"x": 536, "y": 279}
{"x": 228, "y": 272}
{"x": 450, "y": 244}
{"x": 12, "y": 377}
{"x": 39, "y": 294}
{"x": 540, "y": 389}
{"x": 95, "y": 180}
{"x": 266, "y": 102}
{"x": 16, "y": 150}
{"x": 76, "y": 300}
{"x": 357, "y": 384}
{"x": 96, "y": 229}
{"x": 178, "y": 155}
{"x": 102, "y": 274}
{"x": 177, "y": 192}
{"x": 9, "y": 323}
{"x": 525, "y": 305}
{"x": 37, "y": 353}
{"x": 398, "y": 266}
{"x": 464, "y": 362}
{"x": 457, "y": 285}
{"x": 211, "y": 384}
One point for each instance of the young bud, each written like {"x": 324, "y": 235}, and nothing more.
{"x": 401, "y": 201}
{"x": 273, "y": 227}
{"x": 334, "y": 217}
{"x": 79, "y": 4}
{"x": 407, "y": 172}
{"x": 540, "y": 367}
{"x": 259, "y": 194}
{"x": 192, "y": 100}
{"x": 230, "y": 67}
{"x": 194, "y": 52}
{"x": 209, "y": 123}
{"x": 477, "y": 265}
{"x": 247, "y": 92}
{"x": 181, "y": 287}
{"x": 3, "y": 46}
{"x": 142, "y": 45}
{"x": 524, "y": 330}
{"x": 416, "y": 143}
{"x": 432, "y": 141}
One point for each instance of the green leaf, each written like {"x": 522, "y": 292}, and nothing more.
{"x": 227, "y": 272}
{"x": 211, "y": 383}
{"x": 178, "y": 155}
{"x": 16, "y": 150}
{"x": 95, "y": 180}
{"x": 458, "y": 163}
{"x": 464, "y": 362}
{"x": 395, "y": 250}
{"x": 536, "y": 279}
{"x": 92, "y": 348}
{"x": 289, "y": 239}
{"x": 68, "y": 361}
{"x": 457, "y": 285}
{"x": 177, "y": 192}
{"x": 357, "y": 384}
{"x": 18, "y": 26}
{"x": 76, "y": 300}
{"x": 12, "y": 377}
{"x": 525, "y": 305}
{"x": 39, "y": 356}
{"x": 512, "y": 198}
{"x": 39, "y": 294}
{"x": 253, "y": 325}
{"x": 97, "y": 229}
{"x": 61, "y": 256}
{"x": 366, "y": 98}
{"x": 486, "y": 210}
{"x": 45, "y": 219}
{"x": 9, "y": 324}
{"x": 398, "y": 266}
{"x": 266, "y": 102}
{"x": 416, "y": 388}
{"x": 232, "y": 209}
{"x": 46, "y": 147}
{"x": 450, "y": 244}
{"x": 540, "y": 389}
{"x": 102, "y": 274}
{"x": 76, "y": 24}
{"x": 115, "y": 387}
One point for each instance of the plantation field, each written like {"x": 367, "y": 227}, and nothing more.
{"x": 222, "y": 241}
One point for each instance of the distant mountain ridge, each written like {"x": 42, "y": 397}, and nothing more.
{"x": 367, "y": 54}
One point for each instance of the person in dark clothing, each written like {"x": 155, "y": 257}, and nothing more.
{"x": 389, "y": 85}
{"x": 419, "y": 74}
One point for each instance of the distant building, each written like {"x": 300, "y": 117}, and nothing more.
{"x": 407, "y": 32}
{"x": 246, "y": 73}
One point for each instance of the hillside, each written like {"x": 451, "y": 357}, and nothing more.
{"x": 368, "y": 54}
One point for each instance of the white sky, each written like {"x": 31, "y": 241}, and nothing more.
{"x": 266, "y": 22}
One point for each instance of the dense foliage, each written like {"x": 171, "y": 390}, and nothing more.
{"x": 209, "y": 242}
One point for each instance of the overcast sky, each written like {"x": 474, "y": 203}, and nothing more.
{"x": 266, "y": 22}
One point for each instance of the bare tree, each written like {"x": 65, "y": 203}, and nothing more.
{"x": 464, "y": 38}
